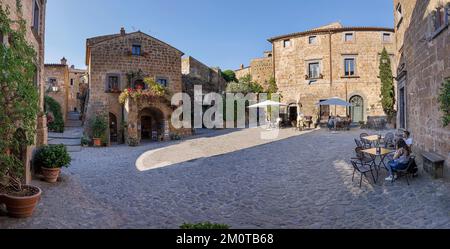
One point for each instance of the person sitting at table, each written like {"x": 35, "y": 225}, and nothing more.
{"x": 330, "y": 123}
{"x": 400, "y": 160}
{"x": 408, "y": 139}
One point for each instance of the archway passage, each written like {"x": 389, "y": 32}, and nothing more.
{"x": 293, "y": 114}
{"x": 357, "y": 109}
{"x": 152, "y": 124}
{"x": 113, "y": 131}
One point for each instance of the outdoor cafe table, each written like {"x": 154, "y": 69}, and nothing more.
{"x": 373, "y": 153}
{"x": 374, "y": 140}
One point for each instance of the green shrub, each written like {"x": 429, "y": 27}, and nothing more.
{"x": 85, "y": 141}
{"x": 206, "y": 225}
{"x": 53, "y": 107}
{"x": 444, "y": 100}
{"x": 53, "y": 156}
{"x": 99, "y": 127}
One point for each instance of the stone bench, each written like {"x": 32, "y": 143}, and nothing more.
{"x": 433, "y": 164}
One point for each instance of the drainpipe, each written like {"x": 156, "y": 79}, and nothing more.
{"x": 331, "y": 62}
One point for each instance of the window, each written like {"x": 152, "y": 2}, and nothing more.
{"x": 313, "y": 40}
{"x": 399, "y": 14}
{"x": 162, "y": 81}
{"x": 287, "y": 43}
{"x": 36, "y": 16}
{"x": 71, "y": 82}
{"x": 386, "y": 37}
{"x": 136, "y": 50}
{"x": 348, "y": 37}
{"x": 52, "y": 82}
{"x": 314, "y": 70}
{"x": 113, "y": 83}
{"x": 349, "y": 67}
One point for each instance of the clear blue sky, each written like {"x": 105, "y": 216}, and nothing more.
{"x": 222, "y": 33}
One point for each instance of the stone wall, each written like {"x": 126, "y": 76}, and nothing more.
{"x": 330, "y": 50}
{"x": 261, "y": 69}
{"x": 112, "y": 55}
{"x": 423, "y": 64}
{"x": 197, "y": 73}
{"x": 77, "y": 80}
{"x": 242, "y": 72}
{"x": 59, "y": 72}
{"x": 37, "y": 40}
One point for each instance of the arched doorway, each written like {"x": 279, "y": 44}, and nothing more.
{"x": 292, "y": 113}
{"x": 151, "y": 124}
{"x": 113, "y": 131}
{"x": 357, "y": 108}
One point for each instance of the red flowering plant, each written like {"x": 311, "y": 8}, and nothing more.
{"x": 154, "y": 90}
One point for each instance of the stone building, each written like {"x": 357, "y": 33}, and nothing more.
{"x": 57, "y": 84}
{"x": 124, "y": 60}
{"x": 260, "y": 69}
{"x": 331, "y": 61}
{"x": 78, "y": 84}
{"x": 33, "y": 12}
{"x": 63, "y": 84}
{"x": 423, "y": 64}
{"x": 196, "y": 73}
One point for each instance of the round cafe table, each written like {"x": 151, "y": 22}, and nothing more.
{"x": 374, "y": 154}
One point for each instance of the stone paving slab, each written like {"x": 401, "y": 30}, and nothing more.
{"x": 299, "y": 181}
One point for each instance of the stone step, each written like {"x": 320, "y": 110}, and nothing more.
{"x": 67, "y": 142}
{"x": 73, "y": 123}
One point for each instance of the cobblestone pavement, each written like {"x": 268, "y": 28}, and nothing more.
{"x": 297, "y": 181}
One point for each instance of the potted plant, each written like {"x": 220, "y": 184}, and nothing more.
{"x": 99, "y": 127}
{"x": 85, "y": 141}
{"x": 20, "y": 200}
{"x": 52, "y": 158}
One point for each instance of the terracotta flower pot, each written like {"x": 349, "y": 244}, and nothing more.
{"x": 22, "y": 206}
{"x": 97, "y": 142}
{"x": 51, "y": 175}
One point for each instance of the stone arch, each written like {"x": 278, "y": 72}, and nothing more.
{"x": 151, "y": 122}
{"x": 357, "y": 108}
{"x": 365, "y": 100}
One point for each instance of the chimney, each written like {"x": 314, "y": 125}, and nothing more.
{"x": 122, "y": 31}
{"x": 64, "y": 61}
{"x": 242, "y": 66}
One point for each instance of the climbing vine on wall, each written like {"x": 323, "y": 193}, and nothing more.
{"x": 55, "y": 117}
{"x": 444, "y": 100}
{"x": 19, "y": 97}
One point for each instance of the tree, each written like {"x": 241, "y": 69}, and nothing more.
{"x": 245, "y": 85}
{"x": 272, "y": 88}
{"x": 387, "y": 85}
{"x": 229, "y": 76}
{"x": 19, "y": 98}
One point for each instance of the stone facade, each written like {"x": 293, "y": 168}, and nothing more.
{"x": 124, "y": 60}
{"x": 33, "y": 12}
{"x": 261, "y": 69}
{"x": 56, "y": 78}
{"x": 423, "y": 63}
{"x": 196, "y": 73}
{"x": 78, "y": 83}
{"x": 325, "y": 51}
{"x": 69, "y": 83}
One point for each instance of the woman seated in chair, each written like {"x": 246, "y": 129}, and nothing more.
{"x": 400, "y": 160}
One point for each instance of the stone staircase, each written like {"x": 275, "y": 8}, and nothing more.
{"x": 73, "y": 132}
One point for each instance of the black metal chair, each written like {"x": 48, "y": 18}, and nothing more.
{"x": 406, "y": 172}
{"x": 362, "y": 169}
{"x": 358, "y": 143}
{"x": 389, "y": 141}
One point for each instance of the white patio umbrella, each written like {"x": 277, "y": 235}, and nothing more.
{"x": 266, "y": 104}
{"x": 336, "y": 102}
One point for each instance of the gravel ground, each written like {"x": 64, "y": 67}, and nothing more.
{"x": 299, "y": 180}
